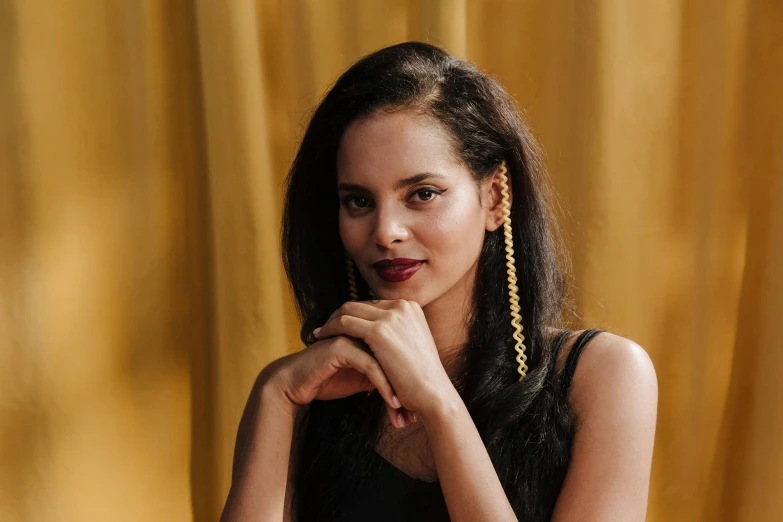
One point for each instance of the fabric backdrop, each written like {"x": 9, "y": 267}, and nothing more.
{"x": 142, "y": 149}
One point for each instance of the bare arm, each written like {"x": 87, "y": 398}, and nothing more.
{"x": 470, "y": 485}
{"x": 264, "y": 463}
{"x": 293, "y": 466}
{"x": 262, "y": 455}
{"x": 614, "y": 395}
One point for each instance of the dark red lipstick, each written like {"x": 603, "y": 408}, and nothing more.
{"x": 397, "y": 269}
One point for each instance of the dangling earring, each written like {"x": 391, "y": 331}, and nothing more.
{"x": 352, "y": 286}
{"x": 352, "y": 291}
{"x": 516, "y": 319}
{"x": 351, "y": 278}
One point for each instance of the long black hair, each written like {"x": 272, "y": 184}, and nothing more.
{"x": 526, "y": 426}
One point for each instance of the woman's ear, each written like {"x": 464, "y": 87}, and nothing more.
{"x": 494, "y": 197}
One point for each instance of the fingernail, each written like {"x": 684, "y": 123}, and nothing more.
{"x": 396, "y": 402}
{"x": 315, "y": 332}
{"x": 400, "y": 420}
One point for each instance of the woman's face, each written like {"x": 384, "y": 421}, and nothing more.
{"x": 405, "y": 194}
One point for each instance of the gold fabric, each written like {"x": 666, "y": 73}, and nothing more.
{"x": 142, "y": 149}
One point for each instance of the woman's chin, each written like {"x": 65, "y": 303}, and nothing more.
{"x": 406, "y": 294}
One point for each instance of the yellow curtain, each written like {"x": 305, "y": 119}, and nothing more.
{"x": 142, "y": 149}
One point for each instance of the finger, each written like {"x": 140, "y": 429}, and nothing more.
{"x": 365, "y": 363}
{"x": 391, "y": 410}
{"x": 361, "y": 309}
{"x": 348, "y": 325}
{"x": 394, "y": 416}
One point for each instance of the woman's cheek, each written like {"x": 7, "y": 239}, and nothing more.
{"x": 458, "y": 234}
{"x": 350, "y": 233}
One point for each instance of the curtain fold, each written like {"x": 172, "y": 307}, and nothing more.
{"x": 143, "y": 146}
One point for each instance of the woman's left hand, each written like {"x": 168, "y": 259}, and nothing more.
{"x": 400, "y": 339}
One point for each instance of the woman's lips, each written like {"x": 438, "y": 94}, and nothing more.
{"x": 397, "y": 273}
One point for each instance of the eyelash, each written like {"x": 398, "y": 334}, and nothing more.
{"x": 436, "y": 192}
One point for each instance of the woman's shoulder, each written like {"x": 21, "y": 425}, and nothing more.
{"x": 613, "y": 372}
{"x": 602, "y": 344}
{"x": 614, "y": 397}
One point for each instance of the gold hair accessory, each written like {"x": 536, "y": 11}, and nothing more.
{"x": 351, "y": 278}
{"x": 512, "y": 276}
{"x": 352, "y": 291}
{"x": 352, "y": 287}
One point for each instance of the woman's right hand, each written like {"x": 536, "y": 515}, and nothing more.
{"x": 334, "y": 368}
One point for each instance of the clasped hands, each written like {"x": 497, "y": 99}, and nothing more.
{"x": 397, "y": 334}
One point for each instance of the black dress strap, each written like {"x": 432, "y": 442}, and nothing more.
{"x": 573, "y": 357}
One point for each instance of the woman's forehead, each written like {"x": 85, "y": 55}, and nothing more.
{"x": 395, "y": 143}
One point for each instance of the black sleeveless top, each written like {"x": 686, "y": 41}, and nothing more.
{"x": 396, "y": 496}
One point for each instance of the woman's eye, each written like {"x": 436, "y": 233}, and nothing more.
{"x": 356, "y": 202}
{"x": 427, "y": 194}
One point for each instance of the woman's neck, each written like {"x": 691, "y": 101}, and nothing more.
{"x": 447, "y": 317}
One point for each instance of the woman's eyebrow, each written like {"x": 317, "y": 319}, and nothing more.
{"x": 407, "y": 182}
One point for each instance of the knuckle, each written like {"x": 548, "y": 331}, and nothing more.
{"x": 402, "y": 308}
{"x": 378, "y": 329}
{"x": 338, "y": 343}
{"x": 343, "y": 343}
{"x": 340, "y": 349}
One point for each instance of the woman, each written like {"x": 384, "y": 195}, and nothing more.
{"x": 428, "y": 272}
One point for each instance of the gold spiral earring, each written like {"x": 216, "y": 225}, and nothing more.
{"x": 351, "y": 271}
{"x": 351, "y": 278}
{"x": 513, "y": 297}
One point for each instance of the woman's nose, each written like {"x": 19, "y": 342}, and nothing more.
{"x": 390, "y": 227}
